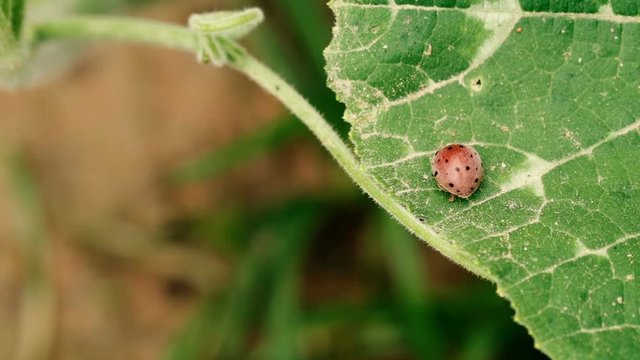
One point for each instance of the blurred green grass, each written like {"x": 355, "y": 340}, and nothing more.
{"x": 267, "y": 314}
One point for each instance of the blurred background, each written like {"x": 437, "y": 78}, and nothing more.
{"x": 154, "y": 208}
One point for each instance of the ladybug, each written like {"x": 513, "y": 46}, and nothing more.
{"x": 458, "y": 170}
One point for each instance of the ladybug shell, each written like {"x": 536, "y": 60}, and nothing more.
{"x": 457, "y": 169}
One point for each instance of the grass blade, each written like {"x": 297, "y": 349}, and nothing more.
{"x": 294, "y": 231}
{"x": 239, "y": 151}
{"x": 405, "y": 265}
{"x": 37, "y": 314}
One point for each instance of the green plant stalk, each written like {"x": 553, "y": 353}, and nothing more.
{"x": 15, "y": 11}
{"x": 38, "y": 300}
{"x": 175, "y": 37}
{"x": 6, "y": 34}
{"x": 118, "y": 29}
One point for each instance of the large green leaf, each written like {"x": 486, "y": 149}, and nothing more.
{"x": 548, "y": 91}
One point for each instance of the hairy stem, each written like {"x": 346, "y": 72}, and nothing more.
{"x": 117, "y": 28}
{"x": 171, "y": 36}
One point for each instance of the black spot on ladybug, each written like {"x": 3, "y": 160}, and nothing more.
{"x": 461, "y": 146}
{"x": 435, "y": 173}
{"x": 450, "y": 147}
{"x": 438, "y": 160}
{"x": 476, "y": 180}
{"x": 450, "y": 185}
{"x": 458, "y": 191}
{"x": 467, "y": 168}
{"x": 457, "y": 169}
{"x": 472, "y": 188}
{"x": 446, "y": 160}
{"x": 471, "y": 155}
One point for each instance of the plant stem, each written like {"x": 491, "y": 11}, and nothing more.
{"x": 172, "y": 36}
{"x": 119, "y": 29}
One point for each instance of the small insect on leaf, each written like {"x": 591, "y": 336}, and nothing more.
{"x": 457, "y": 169}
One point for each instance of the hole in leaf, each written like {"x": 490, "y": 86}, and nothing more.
{"x": 476, "y": 84}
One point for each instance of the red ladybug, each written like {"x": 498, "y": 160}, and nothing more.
{"x": 458, "y": 170}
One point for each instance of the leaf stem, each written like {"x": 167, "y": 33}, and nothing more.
{"x": 172, "y": 36}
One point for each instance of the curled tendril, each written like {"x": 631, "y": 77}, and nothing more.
{"x": 216, "y": 32}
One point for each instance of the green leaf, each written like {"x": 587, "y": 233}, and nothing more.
{"x": 548, "y": 93}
